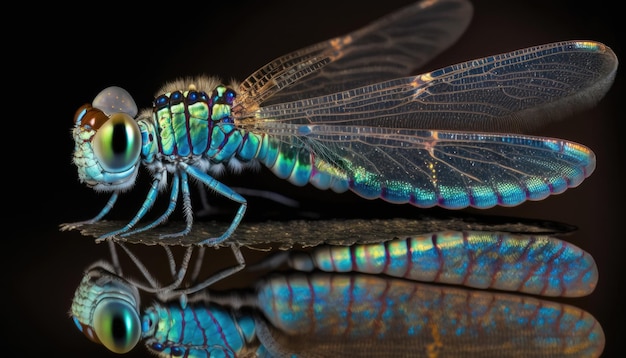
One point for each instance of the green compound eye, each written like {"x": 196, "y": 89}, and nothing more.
{"x": 117, "y": 143}
{"x": 117, "y": 325}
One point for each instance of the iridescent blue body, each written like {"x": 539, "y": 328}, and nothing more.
{"x": 532, "y": 264}
{"x": 344, "y": 114}
{"x": 198, "y": 330}
{"x": 317, "y": 315}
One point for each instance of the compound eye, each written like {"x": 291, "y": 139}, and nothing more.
{"x": 90, "y": 118}
{"x": 117, "y": 325}
{"x": 117, "y": 143}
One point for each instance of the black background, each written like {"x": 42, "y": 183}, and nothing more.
{"x": 56, "y": 59}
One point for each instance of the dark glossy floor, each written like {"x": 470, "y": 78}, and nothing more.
{"x": 70, "y": 57}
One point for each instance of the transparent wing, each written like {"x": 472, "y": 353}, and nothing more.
{"x": 340, "y": 315}
{"x": 511, "y": 92}
{"x": 390, "y": 47}
{"x": 428, "y": 139}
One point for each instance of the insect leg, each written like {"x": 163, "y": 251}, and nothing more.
{"x": 241, "y": 263}
{"x": 223, "y": 190}
{"x": 152, "y": 285}
{"x": 187, "y": 211}
{"x": 147, "y": 204}
{"x": 208, "y": 210}
{"x": 168, "y": 211}
{"x": 105, "y": 210}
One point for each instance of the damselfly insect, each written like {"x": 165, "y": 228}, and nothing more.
{"x": 315, "y": 116}
{"x": 321, "y": 315}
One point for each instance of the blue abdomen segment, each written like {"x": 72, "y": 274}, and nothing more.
{"x": 297, "y": 164}
{"x": 197, "y": 331}
{"x": 539, "y": 265}
{"x": 250, "y": 145}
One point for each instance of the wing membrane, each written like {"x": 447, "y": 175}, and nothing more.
{"x": 514, "y": 92}
{"x": 390, "y": 47}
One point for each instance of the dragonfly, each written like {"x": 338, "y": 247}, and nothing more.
{"x": 347, "y": 115}
{"x": 320, "y": 314}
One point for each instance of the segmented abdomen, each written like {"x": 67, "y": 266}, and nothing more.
{"x": 531, "y": 264}
{"x": 297, "y": 164}
{"x": 425, "y": 167}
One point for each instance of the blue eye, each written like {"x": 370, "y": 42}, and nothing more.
{"x": 161, "y": 101}
{"x": 117, "y": 325}
{"x": 230, "y": 96}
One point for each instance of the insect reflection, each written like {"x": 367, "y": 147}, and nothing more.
{"x": 370, "y": 313}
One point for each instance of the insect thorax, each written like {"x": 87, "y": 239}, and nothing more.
{"x": 195, "y": 127}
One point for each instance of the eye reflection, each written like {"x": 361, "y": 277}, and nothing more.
{"x": 117, "y": 325}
